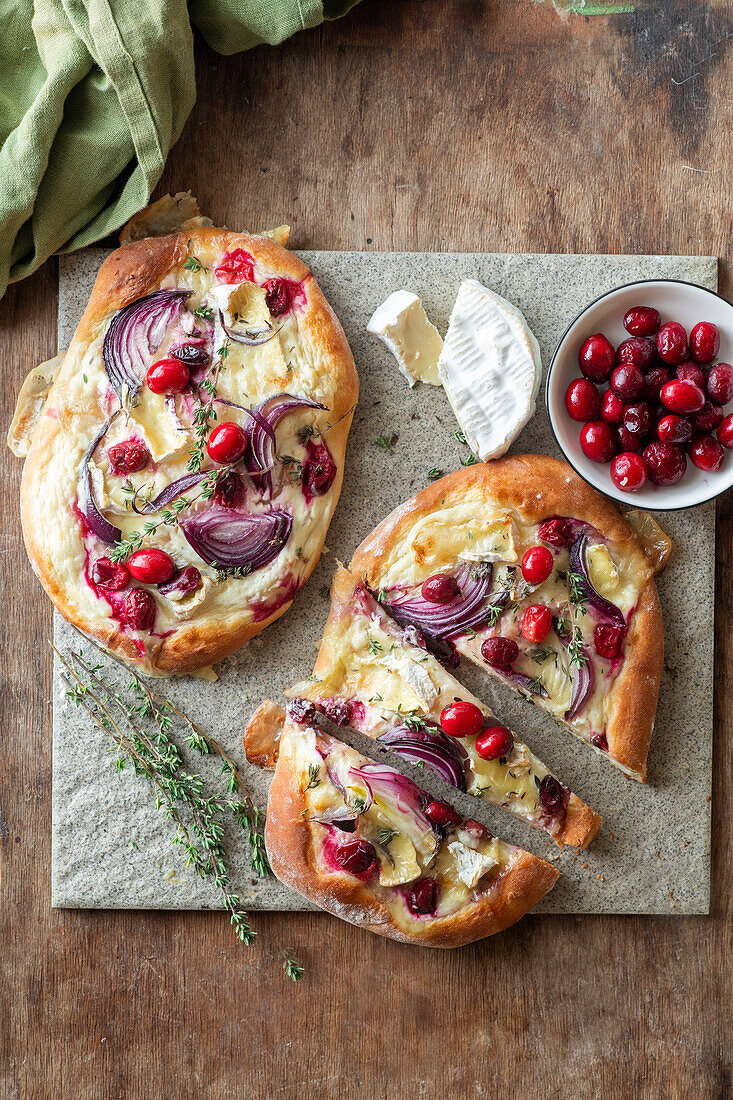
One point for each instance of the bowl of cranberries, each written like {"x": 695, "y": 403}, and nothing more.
{"x": 640, "y": 394}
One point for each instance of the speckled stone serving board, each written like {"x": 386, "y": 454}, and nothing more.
{"x": 110, "y": 847}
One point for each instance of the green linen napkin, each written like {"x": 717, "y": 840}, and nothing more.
{"x": 93, "y": 93}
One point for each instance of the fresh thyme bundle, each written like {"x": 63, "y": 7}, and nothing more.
{"x": 141, "y": 728}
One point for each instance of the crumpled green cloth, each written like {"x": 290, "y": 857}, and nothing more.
{"x": 93, "y": 94}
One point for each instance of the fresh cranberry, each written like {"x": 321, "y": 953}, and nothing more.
{"x": 500, "y": 652}
{"x": 627, "y": 381}
{"x": 552, "y": 795}
{"x": 276, "y": 296}
{"x": 666, "y": 462}
{"x": 110, "y": 574}
{"x": 319, "y": 470}
{"x": 236, "y": 267}
{"x": 128, "y": 457}
{"x": 229, "y": 491}
{"x": 607, "y": 641}
{"x": 597, "y": 441}
{"x": 653, "y": 382}
{"x": 536, "y": 622}
{"x": 181, "y": 583}
{"x": 638, "y": 418}
{"x": 494, "y": 742}
{"x": 630, "y": 442}
{"x": 138, "y": 609}
{"x": 461, "y": 719}
{"x": 356, "y": 856}
{"x": 704, "y": 342}
{"x": 537, "y": 564}
{"x": 725, "y": 431}
{"x": 441, "y": 814}
{"x": 720, "y": 383}
{"x": 674, "y": 429}
{"x": 193, "y": 355}
{"x": 597, "y": 358}
{"x": 642, "y": 321}
{"x": 476, "y": 830}
{"x": 422, "y": 897}
{"x": 628, "y": 472}
{"x": 682, "y": 397}
{"x": 708, "y": 418}
{"x": 691, "y": 372}
{"x": 557, "y": 532}
{"x": 151, "y": 566}
{"x": 706, "y": 453}
{"x": 672, "y": 343}
{"x": 440, "y": 588}
{"x": 227, "y": 442}
{"x": 581, "y": 399}
{"x": 612, "y": 407}
{"x": 638, "y": 351}
{"x": 337, "y": 710}
{"x": 167, "y": 376}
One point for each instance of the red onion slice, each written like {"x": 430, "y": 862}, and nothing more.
{"x": 252, "y": 338}
{"x": 133, "y": 335}
{"x": 430, "y": 746}
{"x": 468, "y": 609}
{"x": 171, "y": 492}
{"x": 98, "y": 525}
{"x": 583, "y": 680}
{"x": 237, "y": 540}
{"x": 579, "y": 565}
{"x": 531, "y": 685}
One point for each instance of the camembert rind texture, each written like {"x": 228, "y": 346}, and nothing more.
{"x": 491, "y": 369}
{"x": 309, "y": 357}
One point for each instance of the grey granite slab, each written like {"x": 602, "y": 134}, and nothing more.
{"x": 653, "y": 853}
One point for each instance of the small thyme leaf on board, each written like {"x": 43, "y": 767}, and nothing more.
{"x": 292, "y": 967}
{"x": 387, "y": 442}
{"x": 386, "y": 835}
{"x": 459, "y": 436}
{"x": 373, "y": 646}
{"x": 314, "y": 776}
{"x": 469, "y": 460}
{"x": 435, "y": 473}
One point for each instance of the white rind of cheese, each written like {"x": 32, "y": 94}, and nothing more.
{"x": 403, "y": 325}
{"x": 491, "y": 369}
{"x": 471, "y": 865}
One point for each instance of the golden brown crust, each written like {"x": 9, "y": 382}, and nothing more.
{"x": 262, "y": 734}
{"x": 291, "y": 855}
{"x": 581, "y": 824}
{"x": 129, "y": 273}
{"x": 539, "y": 488}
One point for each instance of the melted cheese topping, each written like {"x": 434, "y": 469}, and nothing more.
{"x": 290, "y": 362}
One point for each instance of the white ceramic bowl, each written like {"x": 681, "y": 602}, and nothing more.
{"x": 676, "y": 301}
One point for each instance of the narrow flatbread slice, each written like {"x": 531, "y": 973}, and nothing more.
{"x": 356, "y": 837}
{"x": 598, "y": 669}
{"x": 373, "y": 676}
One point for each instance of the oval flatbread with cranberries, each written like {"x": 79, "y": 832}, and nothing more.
{"x": 590, "y": 652}
{"x": 368, "y": 845}
{"x": 182, "y": 476}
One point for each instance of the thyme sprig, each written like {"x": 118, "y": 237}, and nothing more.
{"x": 179, "y": 792}
{"x": 291, "y": 966}
{"x": 205, "y": 411}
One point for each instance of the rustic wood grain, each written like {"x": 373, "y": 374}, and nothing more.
{"x": 470, "y": 126}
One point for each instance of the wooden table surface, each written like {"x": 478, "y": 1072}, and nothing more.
{"x": 503, "y": 126}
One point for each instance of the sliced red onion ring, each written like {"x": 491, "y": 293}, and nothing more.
{"x": 251, "y": 337}
{"x": 579, "y": 565}
{"x": 237, "y": 540}
{"x": 133, "y": 335}
{"x": 98, "y": 525}
{"x": 429, "y": 745}
{"x": 403, "y": 801}
{"x": 468, "y": 609}
{"x": 583, "y": 680}
{"x": 532, "y": 685}
{"x": 171, "y": 492}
